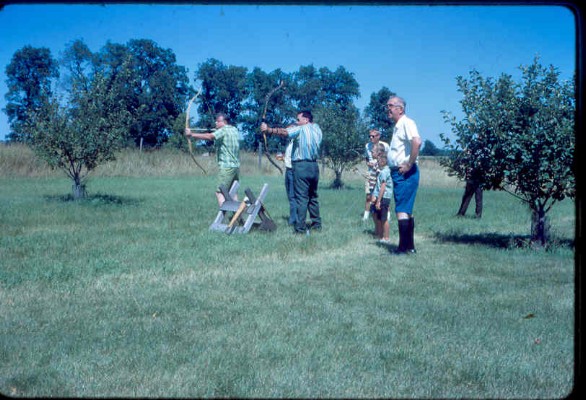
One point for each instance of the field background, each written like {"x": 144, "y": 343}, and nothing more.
{"x": 128, "y": 294}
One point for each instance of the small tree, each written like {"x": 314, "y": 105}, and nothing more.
{"x": 79, "y": 136}
{"x": 518, "y": 138}
{"x": 344, "y": 135}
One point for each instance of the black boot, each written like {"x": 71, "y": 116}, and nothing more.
{"x": 411, "y": 237}
{"x": 403, "y": 236}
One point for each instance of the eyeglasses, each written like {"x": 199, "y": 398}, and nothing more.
{"x": 371, "y": 136}
{"x": 393, "y": 105}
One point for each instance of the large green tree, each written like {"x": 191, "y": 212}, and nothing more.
{"x": 155, "y": 91}
{"x": 159, "y": 91}
{"x": 223, "y": 90}
{"x": 312, "y": 87}
{"x": 29, "y": 78}
{"x": 376, "y": 113}
{"x": 280, "y": 109}
{"x": 517, "y": 137}
{"x": 78, "y": 64}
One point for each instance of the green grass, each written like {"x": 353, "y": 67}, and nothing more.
{"x": 128, "y": 294}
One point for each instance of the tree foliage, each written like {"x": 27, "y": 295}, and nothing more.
{"x": 280, "y": 111}
{"x": 517, "y": 137}
{"x": 155, "y": 90}
{"x": 82, "y": 134}
{"x": 29, "y": 77}
{"x": 83, "y": 126}
{"x": 430, "y": 149}
{"x": 159, "y": 88}
{"x": 223, "y": 90}
{"x": 376, "y": 113}
{"x": 343, "y": 140}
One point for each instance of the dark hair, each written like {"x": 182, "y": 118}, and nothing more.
{"x": 224, "y": 117}
{"x": 306, "y": 114}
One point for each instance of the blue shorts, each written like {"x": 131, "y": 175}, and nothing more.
{"x": 405, "y": 189}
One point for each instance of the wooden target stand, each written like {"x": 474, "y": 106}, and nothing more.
{"x": 239, "y": 216}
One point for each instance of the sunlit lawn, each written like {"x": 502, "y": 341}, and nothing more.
{"x": 128, "y": 294}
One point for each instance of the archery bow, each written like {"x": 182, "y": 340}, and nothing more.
{"x": 187, "y": 127}
{"x": 264, "y": 135}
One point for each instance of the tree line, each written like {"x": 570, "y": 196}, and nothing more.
{"x": 146, "y": 81}
{"x": 77, "y": 111}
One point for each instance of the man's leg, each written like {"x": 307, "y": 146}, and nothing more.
{"x": 466, "y": 197}
{"x": 313, "y": 204}
{"x": 301, "y": 194}
{"x": 290, "y": 188}
{"x": 478, "y": 199}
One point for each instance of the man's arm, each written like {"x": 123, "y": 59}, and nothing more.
{"x": 381, "y": 193}
{"x": 415, "y": 146}
{"x": 200, "y": 136}
{"x": 273, "y": 131}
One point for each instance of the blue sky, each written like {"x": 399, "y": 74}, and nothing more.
{"x": 416, "y": 51}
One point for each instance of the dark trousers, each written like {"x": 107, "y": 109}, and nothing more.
{"x": 290, "y": 188}
{"x": 472, "y": 189}
{"x": 306, "y": 178}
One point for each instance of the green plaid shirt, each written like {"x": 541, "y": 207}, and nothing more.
{"x": 227, "y": 147}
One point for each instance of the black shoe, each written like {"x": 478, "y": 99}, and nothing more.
{"x": 400, "y": 252}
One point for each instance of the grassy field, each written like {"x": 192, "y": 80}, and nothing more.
{"x": 128, "y": 294}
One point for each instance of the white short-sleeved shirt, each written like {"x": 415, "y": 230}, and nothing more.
{"x": 287, "y": 157}
{"x": 400, "y": 149}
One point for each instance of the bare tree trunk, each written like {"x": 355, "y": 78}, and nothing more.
{"x": 78, "y": 189}
{"x": 540, "y": 227}
{"x": 338, "y": 183}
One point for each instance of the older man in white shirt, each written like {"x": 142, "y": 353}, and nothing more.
{"x": 402, "y": 159}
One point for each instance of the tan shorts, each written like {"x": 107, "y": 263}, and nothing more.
{"x": 226, "y": 176}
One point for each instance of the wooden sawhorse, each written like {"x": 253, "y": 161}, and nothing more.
{"x": 239, "y": 216}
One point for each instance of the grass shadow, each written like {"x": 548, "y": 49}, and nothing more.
{"x": 497, "y": 240}
{"x": 345, "y": 187}
{"x": 95, "y": 199}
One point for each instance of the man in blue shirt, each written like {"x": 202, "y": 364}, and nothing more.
{"x": 307, "y": 137}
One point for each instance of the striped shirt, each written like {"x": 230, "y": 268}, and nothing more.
{"x": 226, "y": 140}
{"x": 306, "y": 143}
